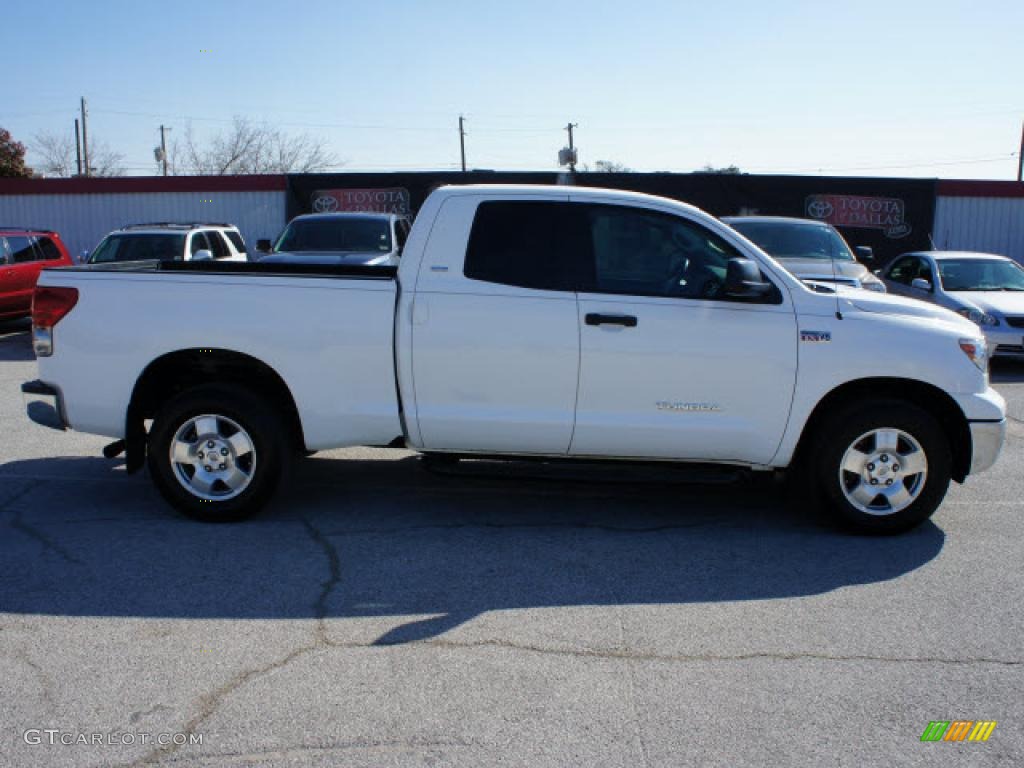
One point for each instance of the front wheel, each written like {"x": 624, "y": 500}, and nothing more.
{"x": 882, "y": 466}
{"x": 215, "y": 453}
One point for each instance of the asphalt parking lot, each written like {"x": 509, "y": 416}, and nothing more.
{"x": 378, "y": 614}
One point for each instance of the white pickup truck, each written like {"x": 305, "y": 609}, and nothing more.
{"x": 555, "y": 322}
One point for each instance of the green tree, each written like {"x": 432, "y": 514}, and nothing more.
{"x": 12, "y": 157}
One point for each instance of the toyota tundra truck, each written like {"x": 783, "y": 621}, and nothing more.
{"x": 557, "y": 323}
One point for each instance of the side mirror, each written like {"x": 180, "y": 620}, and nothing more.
{"x": 202, "y": 255}
{"x": 865, "y": 253}
{"x": 83, "y": 257}
{"x": 263, "y": 246}
{"x": 743, "y": 280}
{"x": 921, "y": 284}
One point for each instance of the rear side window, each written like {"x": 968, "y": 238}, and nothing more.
{"x": 236, "y": 240}
{"x": 522, "y": 243}
{"x": 199, "y": 243}
{"x": 48, "y": 249}
{"x": 21, "y": 249}
{"x": 217, "y": 245}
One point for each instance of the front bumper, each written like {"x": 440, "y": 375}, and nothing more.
{"x": 1004, "y": 341}
{"x": 987, "y": 438}
{"x": 43, "y": 404}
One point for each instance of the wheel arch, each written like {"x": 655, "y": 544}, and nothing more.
{"x": 934, "y": 400}
{"x": 175, "y": 372}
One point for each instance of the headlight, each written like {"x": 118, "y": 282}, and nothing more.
{"x": 978, "y": 317}
{"x": 872, "y": 283}
{"x": 976, "y": 351}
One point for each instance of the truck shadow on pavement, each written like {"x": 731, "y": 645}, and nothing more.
{"x": 417, "y": 554}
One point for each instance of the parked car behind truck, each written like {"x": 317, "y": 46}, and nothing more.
{"x": 811, "y": 250}
{"x": 985, "y": 288}
{"x": 23, "y": 254}
{"x": 170, "y": 242}
{"x": 546, "y": 322}
{"x": 371, "y": 239}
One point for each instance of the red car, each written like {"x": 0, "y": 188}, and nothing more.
{"x": 23, "y": 253}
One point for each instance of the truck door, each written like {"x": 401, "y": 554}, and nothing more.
{"x": 669, "y": 367}
{"x": 495, "y": 342}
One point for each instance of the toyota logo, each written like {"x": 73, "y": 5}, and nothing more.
{"x": 325, "y": 204}
{"x": 819, "y": 209}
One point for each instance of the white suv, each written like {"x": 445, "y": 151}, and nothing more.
{"x": 171, "y": 242}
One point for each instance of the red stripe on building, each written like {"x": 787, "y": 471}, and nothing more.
{"x": 965, "y": 188}
{"x": 128, "y": 185}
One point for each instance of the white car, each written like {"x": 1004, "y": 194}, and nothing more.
{"x": 548, "y": 322}
{"x": 170, "y": 242}
{"x": 985, "y": 288}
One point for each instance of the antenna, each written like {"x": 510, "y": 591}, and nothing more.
{"x": 835, "y": 279}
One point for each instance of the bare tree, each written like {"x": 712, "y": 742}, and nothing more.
{"x": 250, "y": 147}
{"x": 610, "y": 166}
{"x": 731, "y": 170}
{"x": 58, "y": 153}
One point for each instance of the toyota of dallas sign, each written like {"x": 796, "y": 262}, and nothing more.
{"x": 885, "y": 213}
{"x": 389, "y": 200}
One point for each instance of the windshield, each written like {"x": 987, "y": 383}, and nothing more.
{"x": 980, "y": 275}
{"x": 139, "y": 248}
{"x": 795, "y": 240}
{"x": 348, "y": 233}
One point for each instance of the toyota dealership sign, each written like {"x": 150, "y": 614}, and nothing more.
{"x": 885, "y": 213}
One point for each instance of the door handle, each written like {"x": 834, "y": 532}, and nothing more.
{"x": 593, "y": 318}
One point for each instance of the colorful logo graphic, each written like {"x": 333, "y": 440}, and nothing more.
{"x": 958, "y": 730}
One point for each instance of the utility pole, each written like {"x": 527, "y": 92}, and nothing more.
{"x": 85, "y": 139}
{"x": 572, "y": 149}
{"x": 1020, "y": 156}
{"x": 78, "y": 148}
{"x": 163, "y": 148}
{"x": 462, "y": 141}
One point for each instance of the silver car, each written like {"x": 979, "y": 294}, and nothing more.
{"x": 812, "y": 250}
{"x": 985, "y": 288}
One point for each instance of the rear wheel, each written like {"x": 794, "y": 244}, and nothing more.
{"x": 215, "y": 453}
{"x": 881, "y": 466}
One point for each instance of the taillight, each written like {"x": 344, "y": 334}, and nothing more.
{"x": 49, "y": 305}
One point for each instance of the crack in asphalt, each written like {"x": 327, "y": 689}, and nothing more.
{"x": 383, "y": 745}
{"x": 34, "y": 533}
{"x": 327, "y": 586}
{"x": 18, "y": 495}
{"x": 44, "y": 679}
{"x": 210, "y": 702}
{"x": 620, "y": 654}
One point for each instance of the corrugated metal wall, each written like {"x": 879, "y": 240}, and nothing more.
{"x": 83, "y": 219}
{"x": 986, "y": 224}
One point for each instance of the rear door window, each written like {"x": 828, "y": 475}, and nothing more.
{"x": 218, "y": 245}
{"x": 528, "y": 244}
{"x": 199, "y": 243}
{"x": 22, "y": 250}
{"x": 48, "y": 249}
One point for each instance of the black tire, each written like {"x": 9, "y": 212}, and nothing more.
{"x": 268, "y": 437}
{"x": 841, "y": 431}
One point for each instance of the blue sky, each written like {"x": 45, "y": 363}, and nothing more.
{"x": 861, "y": 88}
